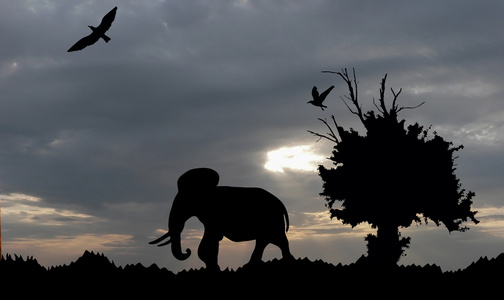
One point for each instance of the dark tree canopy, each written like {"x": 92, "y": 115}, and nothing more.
{"x": 392, "y": 176}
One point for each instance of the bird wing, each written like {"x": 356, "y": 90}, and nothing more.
{"x": 314, "y": 93}
{"x": 326, "y": 92}
{"x": 84, "y": 42}
{"x": 107, "y": 20}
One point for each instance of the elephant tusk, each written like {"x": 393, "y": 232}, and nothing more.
{"x": 164, "y": 236}
{"x": 165, "y": 243}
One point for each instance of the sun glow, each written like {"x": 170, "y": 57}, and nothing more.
{"x": 297, "y": 158}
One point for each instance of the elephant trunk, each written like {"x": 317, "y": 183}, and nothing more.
{"x": 177, "y": 249}
{"x": 178, "y": 216}
{"x": 191, "y": 185}
{"x": 174, "y": 240}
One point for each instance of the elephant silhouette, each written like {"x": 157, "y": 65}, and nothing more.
{"x": 237, "y": 213}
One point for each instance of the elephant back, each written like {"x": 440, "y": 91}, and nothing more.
{"x": 198, "y": 179}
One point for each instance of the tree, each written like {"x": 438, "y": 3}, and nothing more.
{"x": 391, "y": 177}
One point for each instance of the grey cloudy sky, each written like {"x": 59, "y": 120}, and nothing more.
{"x": 92, "y": 142}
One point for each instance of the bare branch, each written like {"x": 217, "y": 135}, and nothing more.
{"x": 410, "y": 107}
{"x": 336, "y": 126}
{"x": 334, "y": 121}
{"x": 356, "y": 90}
{"x": 382, "y": 96}
{"x": 331, "y": 136}
{"x": 322, "y": 136}
{"x": 394, "y": 106}
{"x": 353, "y": 91}
{"x": 376, "y": 105}
{"x": 330, "y": 129}
{"x": 352, "y": 84}
{"x": 352, "y": 111}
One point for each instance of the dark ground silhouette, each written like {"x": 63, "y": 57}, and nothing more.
{"x": 95, "y": 275}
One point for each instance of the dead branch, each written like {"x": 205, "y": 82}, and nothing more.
{"x": 322, "y": 136}
{"x": 350, "y": 109}
{"x": 394, "y": 106}
{"x": 331, "y": 136}
{"x": 410, "y": 107}
{"x": 377, "y": 107}
{"x": 382, "y": 96}
{"x": 352, "y": 84}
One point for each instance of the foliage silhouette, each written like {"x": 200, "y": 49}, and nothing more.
{"x": 98, "y": 32}
{"x": 94, "y": 275}
{"x": 391, "y": 177}
{"x": 240, "y": 214}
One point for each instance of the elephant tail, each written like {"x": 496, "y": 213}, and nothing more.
{"x": 286, "y": 215}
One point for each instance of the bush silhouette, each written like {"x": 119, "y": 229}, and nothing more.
{"x": 391, "y": 177}
{"x": 94, "y": 275}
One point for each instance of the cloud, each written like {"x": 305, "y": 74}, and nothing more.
{"x": 100, "y": 137}
{"x": 319, "y": 226}
{"x": 484, "y": 132}
{"x": 20, "y": 208}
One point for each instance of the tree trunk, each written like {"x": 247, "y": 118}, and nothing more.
{"x": 386, "y": 247}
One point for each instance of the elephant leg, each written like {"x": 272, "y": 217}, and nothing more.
{"x": 283, "y": 244}
{"x": 258, "y": 251}
{"x": 208, "y": 250}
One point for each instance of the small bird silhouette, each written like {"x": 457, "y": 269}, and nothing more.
{"x": 318, "y": 99}
{"x": 98, "y": 32}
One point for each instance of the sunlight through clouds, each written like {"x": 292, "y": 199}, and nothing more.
{"x": 21, "y": 208}
{"x": 319, "y": 225}
{"x": 491, "y": 220}
{"x": 297, "y": 158}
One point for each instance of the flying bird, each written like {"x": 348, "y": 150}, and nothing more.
{"x": 318, "y": 99}
{"x": 98, "y": 32}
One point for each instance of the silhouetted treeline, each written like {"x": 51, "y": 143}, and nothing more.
{"x": 95, "y": 275}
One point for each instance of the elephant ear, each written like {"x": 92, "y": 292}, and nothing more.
{"x": 198, "y": 179}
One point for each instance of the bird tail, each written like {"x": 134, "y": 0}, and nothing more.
{"x": 105, "y": 38}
